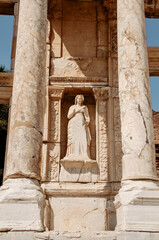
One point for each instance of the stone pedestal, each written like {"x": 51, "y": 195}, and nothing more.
{"x": 138, "y": 206}
{"x": 21, "y": 205}
{"x": 79, "y": 170}
{"x": 137, "y": 203}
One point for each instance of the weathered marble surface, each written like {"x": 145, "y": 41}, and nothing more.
{"x": 78, "y": 67}
{"x": 137, "y": 206}
{"x": 55, "y": 235}
{"x": 78, "y": 213}
{"x": 134, "y": 93}
{"x": 21, "y": 205}
{"x": 137, "y": 203}
{"x": 25, "y": 132}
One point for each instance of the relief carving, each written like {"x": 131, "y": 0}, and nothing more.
{"x": 54, "y": 156}
{"x": 54, "y": 128}
{"x": 103, "y": 148}
{"x": 101, "y": 93}
{"x": 114, "y": 46}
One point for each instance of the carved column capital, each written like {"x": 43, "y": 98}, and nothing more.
{"x": 101, "y": 93}
{"x": 114, "y": 92}
{"x": 56, "y": 92}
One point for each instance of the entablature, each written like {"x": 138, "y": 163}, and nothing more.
{"x": 7, "y": 7}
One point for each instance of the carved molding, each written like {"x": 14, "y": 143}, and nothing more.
{"x": 53, "y": 162}
{"x": 105, "y": 92}
{"x": 91, "y": 189}
{"x": 102, "y": 139}
{"x": 113, "y": 37}
{"x": 101, "y": 96}
{"x": 54, "y": 121}
{"x": 76, "y": 79}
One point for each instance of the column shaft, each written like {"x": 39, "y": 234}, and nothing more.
{"x": 25, "y": 134}
{"x": 134, "y": 92}
{"x": 137, "y": 203}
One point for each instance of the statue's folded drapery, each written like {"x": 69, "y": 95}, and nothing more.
{"x": 79, "y": 137}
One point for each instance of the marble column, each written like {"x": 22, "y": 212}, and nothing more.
{"x": 139, "y": 178}
{"x": 26, "y": 123}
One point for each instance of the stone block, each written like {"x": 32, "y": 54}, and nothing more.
{"x": 21, "y": 205}
{"x": 137, "y": 206}
{"x": 76, "y": 41}
{"x": 79, "y": 51}
{"x": 79, "y": 67}
{"x": 79, "y": 171}
{"x": 78, "y": 213}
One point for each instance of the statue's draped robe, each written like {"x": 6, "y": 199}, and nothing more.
{"x": 78, "y": 142}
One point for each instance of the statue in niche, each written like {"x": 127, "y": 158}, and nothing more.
{"x": 78, "y": 133}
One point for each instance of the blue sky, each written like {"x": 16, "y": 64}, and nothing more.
{"x": 152, "y": 32}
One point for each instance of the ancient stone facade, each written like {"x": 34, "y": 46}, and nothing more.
{"x": 63, "y": 49}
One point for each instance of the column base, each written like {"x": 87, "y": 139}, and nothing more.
{"x": 21, "y": 205}
{"x": 137, "y": 206}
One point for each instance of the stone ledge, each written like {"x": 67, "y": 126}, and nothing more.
{"x": 80, "y": 189}
{"x": 70, "y": 162}
{"x": 77, "y": 79}
{"x": 103, "y": 235}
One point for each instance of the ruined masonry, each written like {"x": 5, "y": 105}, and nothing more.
{"x": 80, "y": 153}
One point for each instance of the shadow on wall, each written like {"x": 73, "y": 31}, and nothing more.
{"x": 4, "y": 109}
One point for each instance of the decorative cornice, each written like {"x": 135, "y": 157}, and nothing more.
{"x": 76, "y": 79}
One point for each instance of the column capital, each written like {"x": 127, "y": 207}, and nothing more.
{"x": 101, "y": 93}
{"x": 56, "y": 92}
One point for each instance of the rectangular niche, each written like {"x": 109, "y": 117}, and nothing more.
{"x": 69, "y": 100}
{"x": 56, "y": 166}
{"x": 80, "y": 168}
